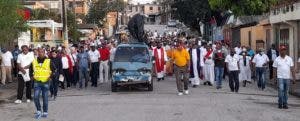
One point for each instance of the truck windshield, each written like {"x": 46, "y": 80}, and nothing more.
{"x": 132, "y": 54}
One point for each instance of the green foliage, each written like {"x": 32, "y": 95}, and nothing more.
{"x": 191, "y": 12}
{"x": 43, "y": 14}
{"x": 242, "y": 7}
{"x": 11, "y": 22}
{"x": 100, "y": 8}
{"x": 73, "y": 33}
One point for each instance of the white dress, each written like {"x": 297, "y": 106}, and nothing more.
{"x": 245, "y": 73}
{"x": 196, "y": 79}
{"x": 209, "y": 72}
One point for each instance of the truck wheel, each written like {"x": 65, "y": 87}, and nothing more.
{"x": 114, "y": 87}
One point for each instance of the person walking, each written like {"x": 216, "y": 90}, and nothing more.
{"x": 94, "y": 57}
{"x": 283, "y": 69}
{"x": 219, "y": 59}
{"x": 104, "y": 58}
{"x": 24, "y": 62}
{"x": 15, "y": 54}
{"x": 272, "y": 55}
{"x": 196, "y": 64}
{"x": 181, "y": 59}
{"x": 83, "y": 60}
{"x": 7, "y": 65}
{"x": 232, "y": 61}
{"x": 245, "y": 70}
{"x": 160, "y": 60}
{"x": 209, "y": 66}
{"x": 43, "y": 69}
{"x": 55, "y": 79}
{"x": 67, "y": 69}
{"x": 260, "y": 62}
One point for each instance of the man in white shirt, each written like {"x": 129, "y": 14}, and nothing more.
{"x": 283, "y": 69}
{"x": 7, "y": 64}
{"x": 24, "y": 62}
{"x": 261, "y": 61}
{"x": 238, "y": 49}
{"x": 94, "y": 58}
{"x": 233, "y": 67}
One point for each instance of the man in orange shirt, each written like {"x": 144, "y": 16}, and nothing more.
{"x": 181, "y": 60}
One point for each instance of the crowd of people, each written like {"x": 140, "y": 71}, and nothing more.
{"x": 196, "y": 62}
{"x": 191, "y": 60}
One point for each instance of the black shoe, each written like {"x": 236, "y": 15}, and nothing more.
{"x": 209, "y": 84}
{"x": 285, "y": 107}
{"x": 158, "y": 79}
{"x": 163, "y": 78}
{"x": 205, "y": 83}
{"x": 195, "y": 86}
{"x": 280, "y": 106}
{"x": 244, "y": 83}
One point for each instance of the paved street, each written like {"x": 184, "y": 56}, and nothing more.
{"x": 203, "y": 104}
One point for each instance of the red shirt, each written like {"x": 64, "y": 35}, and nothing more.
{"x": 104, "y": 53}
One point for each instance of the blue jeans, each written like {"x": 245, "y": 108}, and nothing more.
{"x": 83, "y": 75}
{"x": 283, "y": 87}
{"x": 219, "y": 71}
{"x": 38, "y": 88}
{"x": 261, "y": 77}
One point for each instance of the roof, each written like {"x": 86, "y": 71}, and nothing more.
{"x": 244, "y": 21}
{"x": 87, "y": 26}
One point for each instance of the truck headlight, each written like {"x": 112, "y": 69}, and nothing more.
{"x": 119, "y": 71}
{"x": 144, "y": 71}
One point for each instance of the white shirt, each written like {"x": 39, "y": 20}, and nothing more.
{"x": 25, "y": 60}
{"x": 238, "y": 50}
{"x": 232, "y": 62}
{"x": 299, "y": 60}
{"x": 283, "y": 66}
{"x": 74, "y": 58}
{"x": 94, "y": 56}
{"x": 260, "y": 60}
{"x": 112, "y": 53}
{"x": 65, "y": 63}
{"x": 6, "y": 58}
{"x": 274, "y": 54}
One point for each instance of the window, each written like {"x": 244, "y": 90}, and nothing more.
{"x": 158, "y": 8}
{"x": 151, "y": 8}
{"x": 132, "y": 54}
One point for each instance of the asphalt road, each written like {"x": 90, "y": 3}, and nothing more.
{"x": 203, "y": 104}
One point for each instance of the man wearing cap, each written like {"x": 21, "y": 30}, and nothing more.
{"x": 94, "y": 57}
{"x": 181, "y": 59}
{"x": 104, "y": 57}
{"x": 283, "y": 69}
{"x": 261, "y": 61}
{"x": 160, "y": 61}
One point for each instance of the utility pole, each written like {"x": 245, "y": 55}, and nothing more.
{"x": 65, "y": 26}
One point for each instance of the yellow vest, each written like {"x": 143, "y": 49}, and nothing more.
{"x": 41, "y": 72}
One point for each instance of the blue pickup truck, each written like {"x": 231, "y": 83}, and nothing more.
{"x": 132, "y": 65}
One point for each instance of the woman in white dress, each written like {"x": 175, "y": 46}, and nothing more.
{"x": 245, "y": 70}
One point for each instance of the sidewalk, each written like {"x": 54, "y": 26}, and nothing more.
{"x": 8, "y": 92}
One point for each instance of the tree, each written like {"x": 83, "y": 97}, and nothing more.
{"x": 73, "y": 32}
{"x": 11, "y": 20}
{"x": 243, "y": 7}
{"x": 191, "y": 12}
{"x": 100, "y": 8}
{"x": 43, "y": 14}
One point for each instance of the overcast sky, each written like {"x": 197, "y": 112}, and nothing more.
{"x": 141, "y": 1}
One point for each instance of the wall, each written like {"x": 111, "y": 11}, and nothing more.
{"x": 257, "y": 33}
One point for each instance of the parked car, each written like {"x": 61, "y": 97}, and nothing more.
{"x": 172, "y": 23}
{"x": 132, "y": 65}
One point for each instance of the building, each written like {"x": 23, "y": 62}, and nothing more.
{"x": 80, "y": 7}
{"x": 166, "y": 10}
{"x": 53, "y": 5}
{"x": 151, "y": 11}
{"x": 285, "y": 20}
